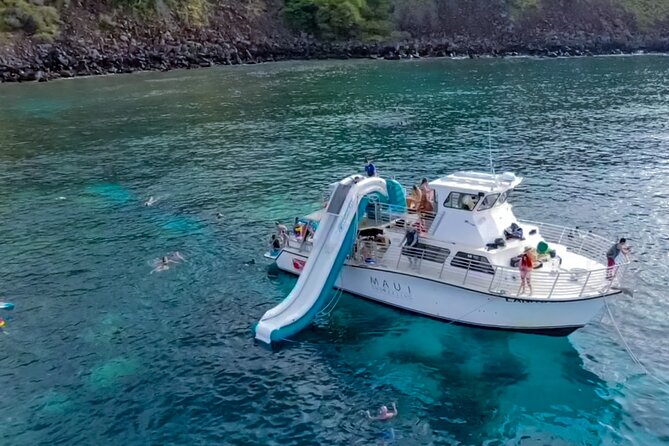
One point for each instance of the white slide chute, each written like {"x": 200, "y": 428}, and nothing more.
{"x": 333, "y": 242}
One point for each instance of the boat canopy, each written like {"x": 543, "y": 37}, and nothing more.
{"x": 477, "y": 182}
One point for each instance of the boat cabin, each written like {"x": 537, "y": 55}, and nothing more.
{"x": 472, "y": 208}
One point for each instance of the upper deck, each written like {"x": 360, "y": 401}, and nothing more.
{"x": 477, "y": 182}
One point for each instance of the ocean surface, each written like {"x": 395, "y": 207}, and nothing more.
{"x": 101, "y": 351}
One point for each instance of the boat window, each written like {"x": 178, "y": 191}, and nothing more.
{"x": 488, "y": 202}
{"x": 503, "y": 197}
{"x": 472, "y": 262}
{"x": 460, "y": 200}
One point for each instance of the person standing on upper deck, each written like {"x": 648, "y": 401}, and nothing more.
{"x": 428, "y": 193}
{"x": 370, "y": 168}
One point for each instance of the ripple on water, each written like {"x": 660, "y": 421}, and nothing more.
{"x": 99, "y": 351}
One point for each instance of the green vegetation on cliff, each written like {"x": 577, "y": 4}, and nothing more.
{"x": 340, "y": 19}
{"x": 30, "y": 16}
{"x": 647, "y": 12}
{"x": 366, "y": 20}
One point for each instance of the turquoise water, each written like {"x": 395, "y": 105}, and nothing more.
{"x": 100, "y": 351}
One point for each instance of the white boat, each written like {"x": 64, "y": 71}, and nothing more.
{"x": 463, "y": 269}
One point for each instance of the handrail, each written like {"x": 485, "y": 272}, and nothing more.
{"x": 439, "y": 261}
{"x": 497, "y": 279}
{"x": 582, "y": 242}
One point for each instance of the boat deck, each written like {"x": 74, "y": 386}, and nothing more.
{"x": 573, "y": 274}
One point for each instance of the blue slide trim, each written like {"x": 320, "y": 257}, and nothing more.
{"x": 326, "y": 292}
{"x": 397, "y": 199}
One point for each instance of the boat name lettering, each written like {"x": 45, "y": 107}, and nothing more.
{"x": 524, "y": 301}
{"x": 397, "y": 289}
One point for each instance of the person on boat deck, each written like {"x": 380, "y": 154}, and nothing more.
{"x": 612, "y": 253}
{"x": 468, "y": 203}
{"x": 366, "y": 251}
{"x": 526, "y": 266}
{"x": 415, "y": 198}
{"x": 382, "y": 241}
{"x": 281, "y": 232}
{"x": 370, "y": 168}
{"x": 307, "y": 233}
{"x": 384, "y": 413}
{"x": 426, "y": 190}
{"x": 410, "y": 241}
{"x": 276, "y": 243}
{"x": 425, "y": 206}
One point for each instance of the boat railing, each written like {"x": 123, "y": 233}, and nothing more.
{"x": 378, "y": 214}
{"x": 551, "y": 283}
{"x": 579, "y": 241}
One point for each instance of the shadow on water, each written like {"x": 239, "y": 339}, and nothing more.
{"x": 462, "y": 382}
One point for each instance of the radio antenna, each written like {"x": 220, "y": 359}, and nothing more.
{"x": 492, "y": 165}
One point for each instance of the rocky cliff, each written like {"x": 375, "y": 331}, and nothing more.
{"x": 40, "y": 40}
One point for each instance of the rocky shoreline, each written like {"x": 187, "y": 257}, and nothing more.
{"x": 30, "y": 61}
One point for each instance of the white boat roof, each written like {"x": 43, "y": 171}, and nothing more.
{"x": 478, "y": 181}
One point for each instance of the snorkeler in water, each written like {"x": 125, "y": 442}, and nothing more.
{"x": 164, "y": 263}
{"x": 384, "y": 413}
{"x": 151, "y": 201}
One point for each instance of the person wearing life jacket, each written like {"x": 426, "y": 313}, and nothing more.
{"x": 526, "y": 265}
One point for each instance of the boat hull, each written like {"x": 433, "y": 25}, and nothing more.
{"x": 460, "y": 305}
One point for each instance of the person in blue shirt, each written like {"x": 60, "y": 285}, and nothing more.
{"x": 370, "y": 168}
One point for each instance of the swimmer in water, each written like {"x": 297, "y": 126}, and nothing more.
{"x": 151, "y": 201}
{"x": 163, "y": 264}
{"x": 384, "y": 413}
